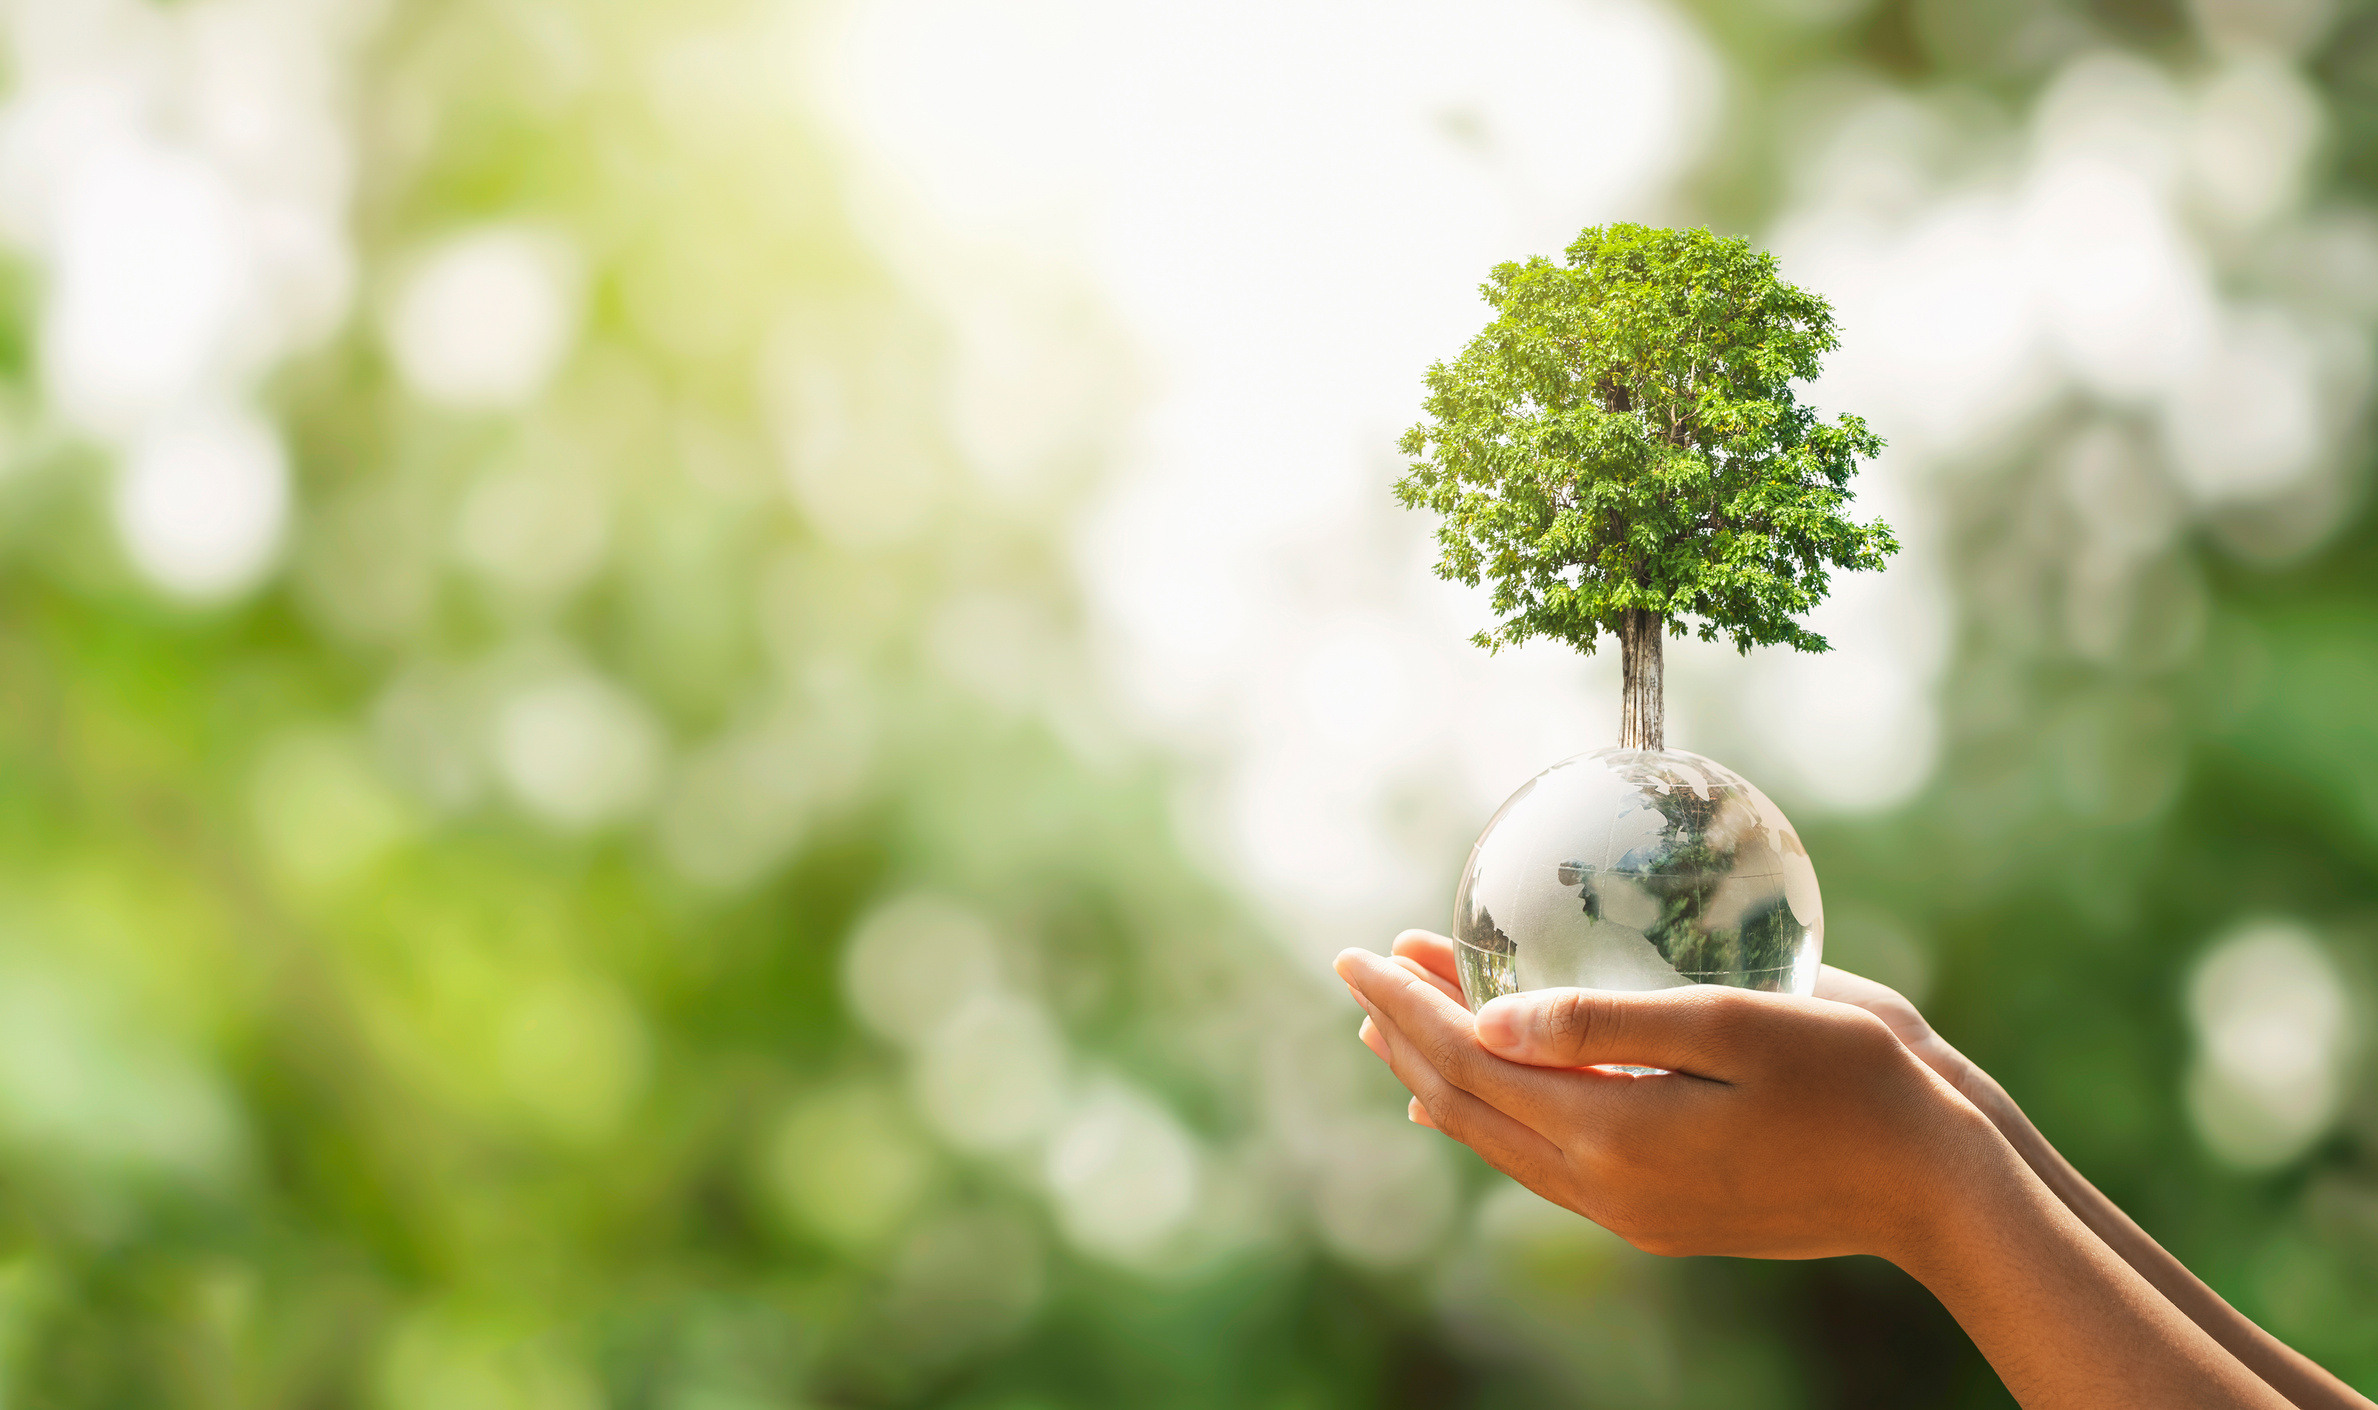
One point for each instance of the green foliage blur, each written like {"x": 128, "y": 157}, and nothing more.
{"x": 1624, "y": 438}
{"x": 329, "y": 1080}
{"x": 350, "y": 1059}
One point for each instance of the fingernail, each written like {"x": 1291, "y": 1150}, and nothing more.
{"x": 1502, "y": 1023}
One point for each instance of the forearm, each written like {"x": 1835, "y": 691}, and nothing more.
{"x": 2285, "y": 1369}
{"x": 2067, "y": 1324}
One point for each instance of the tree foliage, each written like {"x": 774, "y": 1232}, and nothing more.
{"x": 1624, "y": 437}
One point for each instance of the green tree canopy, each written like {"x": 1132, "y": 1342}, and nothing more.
{"x": 1623, "y": 438}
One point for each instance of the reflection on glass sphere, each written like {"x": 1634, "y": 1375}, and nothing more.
{"x": 1637, "y": 869}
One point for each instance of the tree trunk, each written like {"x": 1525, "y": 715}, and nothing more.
{"x": 1640, "y": 703}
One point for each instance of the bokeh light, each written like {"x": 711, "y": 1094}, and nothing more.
{"x": 2272, "y": 1032}
{"x": 486, "y": 318}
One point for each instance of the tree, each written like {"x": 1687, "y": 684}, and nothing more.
{"x": 1621, "y": 451}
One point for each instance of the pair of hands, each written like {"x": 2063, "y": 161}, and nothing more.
{"x": 1782, "y": 1127}
{"x": 1789, "y": 1127}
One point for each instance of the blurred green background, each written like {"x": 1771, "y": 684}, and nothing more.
{"x": 689, "y": 692}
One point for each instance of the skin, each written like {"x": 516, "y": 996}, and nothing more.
{"x": 1806, "y": 1128}
{"x": 2303, "y": 1381}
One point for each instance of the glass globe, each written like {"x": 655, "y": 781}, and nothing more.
{"x": 1637, "y": 869}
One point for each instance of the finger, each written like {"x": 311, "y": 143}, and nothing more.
{"x": 1376, "y": 981}
{"x": 1667, "y": 1028}
{"x": 1433, "y": 953}
{"x": 1509, "y": 1145}
{"x": 1906, "y": 1023}
{"x": 1449, "y": 990}
{"x": 1418, "y": 1114}
{"x": 1436, "y": 1035}
{"x": 1884, "y": 1002}
{"x": 1843, "y": 987}
{"x": 1371, "y": 1038}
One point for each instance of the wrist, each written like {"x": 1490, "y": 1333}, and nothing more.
{"x": 1972, "y": 1186}
{"x": 1981, "y": 1089}
{"x": 2049, "y": 1167}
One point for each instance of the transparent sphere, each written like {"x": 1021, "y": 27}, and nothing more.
{"x": 1637, "y": 869}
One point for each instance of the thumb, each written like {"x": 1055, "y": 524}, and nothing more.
{"x": 1590, "y": 1027}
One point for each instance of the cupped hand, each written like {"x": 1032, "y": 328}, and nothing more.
{"x": 1797, "y": 1127}
{"x": 1431, "y": 956}
{"x": 1782, "y": 1128}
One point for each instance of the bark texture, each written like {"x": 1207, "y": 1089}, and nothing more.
{"x": 1641, "y": 703}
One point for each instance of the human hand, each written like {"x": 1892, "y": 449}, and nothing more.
{"x": 1784, "y": 1132}
{"x": 1431, "y": 957}
{"x": 1907, "y": 1025}
{"x": 1784, "y": 1127}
